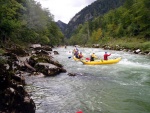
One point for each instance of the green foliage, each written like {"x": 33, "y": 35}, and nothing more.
{"x": 129, "y": 43}
{"x": 96, "y": 9}
{"x": 25, "y": 21}
{"x": 1, "y": 51}
{"x": 44, "y": 40}
{"x": 80, "y": 36}
{"x": 128, "y": 4}
{"x": 96, "y": 36}
{"x": 9, "y": 16}
{"x": 130, "y": 20}
{"x": 146, "y": 46}
{"x": 2, "y": 61}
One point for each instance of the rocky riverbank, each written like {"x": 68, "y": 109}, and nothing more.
{"x": 16, "y": 63}
{"x": 120, "y": 48}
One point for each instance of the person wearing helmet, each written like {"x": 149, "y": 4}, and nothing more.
{"x": 92, "y": 57}
{"x": 80, "y": 55}
{"x": 106, "y": 56}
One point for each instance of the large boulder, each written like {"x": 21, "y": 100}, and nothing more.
{"x": 49, "y": 69}
{"x": 13, "y": 96}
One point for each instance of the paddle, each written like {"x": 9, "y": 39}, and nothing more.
{"x": 97, "y": 58}
{"x": 69, "y": 57}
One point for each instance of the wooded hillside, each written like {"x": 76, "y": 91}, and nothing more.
{"x": 24, "y": 21}
{"x": 132, "y": 20}
{"x": 97, "y": 8}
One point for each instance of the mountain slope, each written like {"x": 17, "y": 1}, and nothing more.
{"x": 97, "y": 8}
{"x": 61, "y": 25}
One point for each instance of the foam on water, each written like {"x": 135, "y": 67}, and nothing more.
{"x": 126, "y": 62}
{"x": 117, "y": 88}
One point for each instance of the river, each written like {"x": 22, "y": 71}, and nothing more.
{"x": 116, "y": 88}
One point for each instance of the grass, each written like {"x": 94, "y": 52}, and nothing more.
{"x": 128, "y": 43}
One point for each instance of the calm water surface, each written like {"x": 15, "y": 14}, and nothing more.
{"x": 117, "y": 88}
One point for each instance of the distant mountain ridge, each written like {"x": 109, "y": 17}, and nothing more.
{"x": 61, "y": 25}
{"x": 97, "y": 8}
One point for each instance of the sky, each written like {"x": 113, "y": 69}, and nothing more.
{"x": 64, "y": 10}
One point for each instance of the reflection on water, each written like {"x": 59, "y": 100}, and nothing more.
{"x": 118, "y": 88}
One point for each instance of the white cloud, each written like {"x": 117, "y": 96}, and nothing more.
{"x": 64, "y": 10}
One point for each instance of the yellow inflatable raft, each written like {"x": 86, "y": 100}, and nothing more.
{"x": 101, "y": 62}
{"x": 76, "y": 59}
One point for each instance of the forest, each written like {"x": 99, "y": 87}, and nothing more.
{"x": 97, "y": 8}
{"x": 25, "y": 21}
{"x": 128, "y": 26}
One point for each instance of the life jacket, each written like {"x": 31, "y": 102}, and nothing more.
{"x": 106, "y": 56}
{"x": 92, "y": 57}
{"x": 80, "y": 55}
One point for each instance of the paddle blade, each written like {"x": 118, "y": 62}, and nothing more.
{"x": 69, "y": 57}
